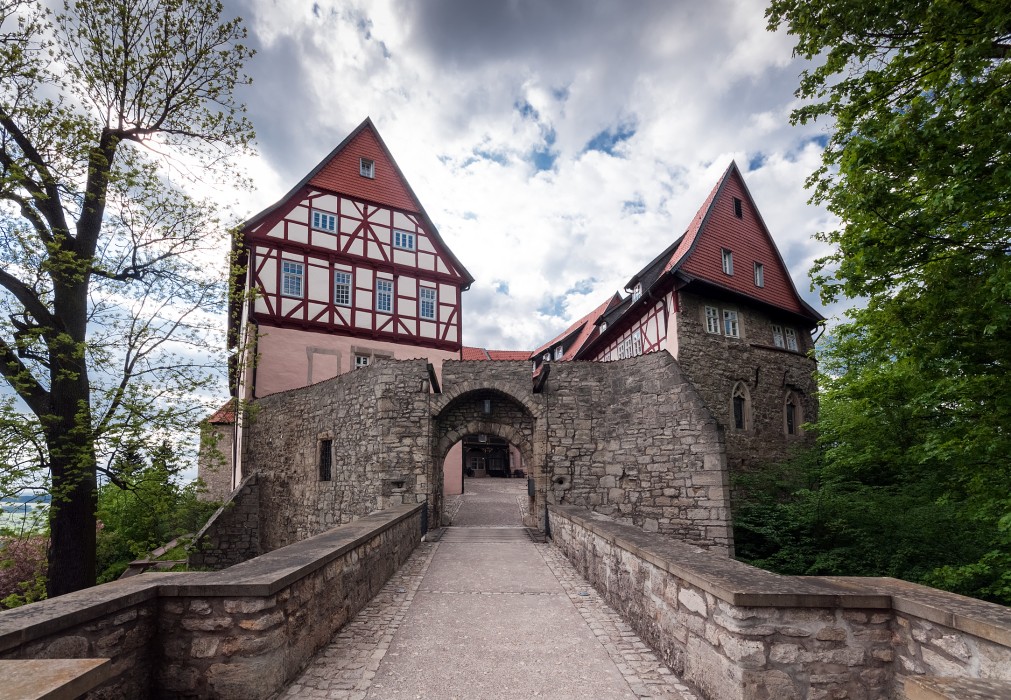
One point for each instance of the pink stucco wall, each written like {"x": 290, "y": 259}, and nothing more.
{"x": 289, "y": 358}
{"x": 452, "y": 471}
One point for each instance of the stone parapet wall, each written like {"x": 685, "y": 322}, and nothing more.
{"x": 232, "y": 534}
{"x": 377, "y": 420}
{"x": 737, "y": 632}
{"x": 238, "y": 633}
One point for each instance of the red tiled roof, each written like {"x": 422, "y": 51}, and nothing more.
{"x": 586, "y": 327}
{"x": 470, "y": 353}
{"x": 224, "y": 415}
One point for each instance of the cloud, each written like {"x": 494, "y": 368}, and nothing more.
{"x": 557, "y": 146}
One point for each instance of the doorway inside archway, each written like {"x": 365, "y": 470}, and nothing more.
{"x": 481, "y": 456}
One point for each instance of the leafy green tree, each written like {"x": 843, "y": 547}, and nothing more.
{"x": 918, "y": 170}
{"x": 104, "y": 283}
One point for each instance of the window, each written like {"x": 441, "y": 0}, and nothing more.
{"x": 731, "y": 328}
{"x": 792, "y": 414}
{"x": 636, "y": 342}
{"x": 712, "y": 319}
{"x": 362, "y": 361}
{"x": 402, "y": 239}
{"x": 367, "y": 167}
{"x": 342, "y": 288}
{"x": 759, "y": 275}
{"x": 637, "y": 292}
{"x": 384, "y": 295}
{"x": 777, "y": 336}
{"x": 324, "y": 222}
{"x": 558, "y": 352}
{"x": 427, "y": 299}
{"x": 738, "y": 208}
{"x": 603, "y": 326}
{"x": 728, "y": 261}
{"x": 547, "y": 357}
{"x": 791, "y": 339}
{"x": 741, "y": 401}
{"x": 325, "y": 460}
{"x": 291, "y": 278}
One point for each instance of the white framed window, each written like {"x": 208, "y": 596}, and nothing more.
{"x": 777, "y": 336}
{"x": 731, "y": 326}
{"x": 367, "y": 167}
{"x": 558, "y": 352}
{"x": 603, "y": 326}
{"x": 427, "y": 302}
{"x": 636, "y": 342}
{"x": 728, "y": 261}
{"x": 791, "y": 339}
{"x": 403, "y": 239}
{"x": 324, "y": 222}
{"x": 292, "y": 274}
{"x": 362, "y": 361}
{"x": 546, "y": 357}
{"x": 759, "y": 274}
{"x": 342, "y": 288}
{"x": 384, "y": 295}
{"x": 712, "y": 319}
{"x": 637, "y": 292}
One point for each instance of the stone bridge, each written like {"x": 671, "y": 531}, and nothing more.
{"x": 632, "y": 594}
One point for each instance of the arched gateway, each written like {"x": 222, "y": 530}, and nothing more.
{"x": 630, "y": 439}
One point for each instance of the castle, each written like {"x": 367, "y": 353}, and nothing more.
{"x": 347, "y": 269}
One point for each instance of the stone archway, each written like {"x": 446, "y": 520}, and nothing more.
{"x": 479, "y": 411}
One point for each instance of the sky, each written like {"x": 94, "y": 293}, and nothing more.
{"x": 557, "y": 146}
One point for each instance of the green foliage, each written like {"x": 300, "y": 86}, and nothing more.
{"x": 914, "y": 454}
{"x": 150, "y": 512}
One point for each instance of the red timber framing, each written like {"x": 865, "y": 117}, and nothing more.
{"x": 352, "y": 254}
{"x": 646, "y": 334}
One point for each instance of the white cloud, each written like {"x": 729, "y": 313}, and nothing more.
{"x": 465, "y": 94}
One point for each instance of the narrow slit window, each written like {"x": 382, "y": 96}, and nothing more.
{"x": 759, "y": 274}
{"x": 325, "y": 460}
{"x": 738, "y": 208}
{"x": 741, "y": 405}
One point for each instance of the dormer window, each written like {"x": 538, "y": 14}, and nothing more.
{"x": 558, "y": 352}
{"x": 367, "y": 167}
{"x": 547, "y": 357}
{"x": 637, "y": 292}
{"x": 738, "y": 208}
{"x": 728, "y": 261}
{"x": 603, "y": 326}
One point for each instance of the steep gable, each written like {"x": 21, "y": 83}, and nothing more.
{"x": 579, "y": 333}
{"x": 341, "y": 173}
{"x": 717, "y": 227}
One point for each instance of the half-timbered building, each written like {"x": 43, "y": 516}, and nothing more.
{"x": 344, "y": 269}
{"x": 721, "y": 301}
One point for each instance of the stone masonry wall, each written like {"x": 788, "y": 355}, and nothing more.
{"x": 741, "y": 633}
{"x": 232, "y": 534}
{"x": 240, "y": 633}
{"x": 630, "y": 439}
{"x": 377, "y": 418}
{"x": 715, "y": 363}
